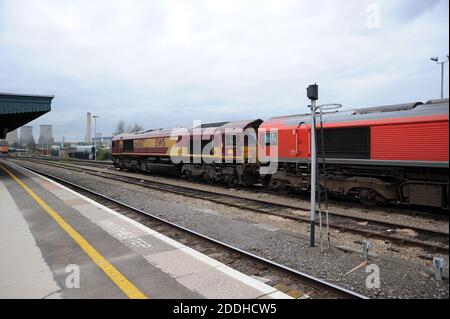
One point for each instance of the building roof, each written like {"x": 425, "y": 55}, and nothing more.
{"x": 24, "y": 103}
{"x": 17, "y": 110}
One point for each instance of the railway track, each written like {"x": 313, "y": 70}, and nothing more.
{"x": 74, "y": 160}
{"x": 246, "y": 262}
{"x": 430, "y": 239}
{"x": 435, "y": 214}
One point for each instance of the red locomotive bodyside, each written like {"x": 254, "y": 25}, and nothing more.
{"x": 395, "y": 153}
{"x": 419, "y": 141}
{"x": 405, "y": 135}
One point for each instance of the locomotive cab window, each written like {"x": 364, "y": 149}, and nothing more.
{"x": 250, "y": 140}
{"x": 210, "y": 143}
{"x": 228, "y": 140}
{"x": 270, "y": 139}
{"x": 128, "y": 146}
{"x": 231, "y": 140}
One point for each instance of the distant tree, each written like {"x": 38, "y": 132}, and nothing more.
{"x": 136, "y": 127}
{"x": 120, "y": 128}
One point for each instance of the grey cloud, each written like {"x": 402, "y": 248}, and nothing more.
{"x": 163, "y": 63}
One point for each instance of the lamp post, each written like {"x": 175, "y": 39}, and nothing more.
{"x": 95, "y": 135}
{"x": 436, "y": 59}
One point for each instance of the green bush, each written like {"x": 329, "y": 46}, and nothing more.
{"x": 103, "y": 155}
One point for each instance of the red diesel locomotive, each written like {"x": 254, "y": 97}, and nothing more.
{"x": 396, "y": 153}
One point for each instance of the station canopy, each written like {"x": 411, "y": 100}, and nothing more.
{"x": 17, "y": 110}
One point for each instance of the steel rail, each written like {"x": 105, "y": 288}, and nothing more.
{"x": 271, "y": 208}
{"x": 399, "y": 210}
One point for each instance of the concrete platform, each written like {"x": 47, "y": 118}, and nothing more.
{"x": 56, "y": 243}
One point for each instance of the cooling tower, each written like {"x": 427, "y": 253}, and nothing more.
{"x": 26, "y": 136}
{"x": 88, "y": 138}
{"x": 46, "y": 135}
{"x": 12, "y": 138}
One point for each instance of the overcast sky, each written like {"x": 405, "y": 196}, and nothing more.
{"x": 164, "y": 63}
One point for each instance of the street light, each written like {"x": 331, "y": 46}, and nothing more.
{"x": 95, "y": 135}
{"x": 436, "y": 59}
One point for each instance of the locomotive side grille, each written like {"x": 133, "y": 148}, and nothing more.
{"x": 411, "y": 142}
{"x": 345, "y": 143}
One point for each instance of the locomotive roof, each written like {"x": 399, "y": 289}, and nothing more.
{"x": 147, "y": 133}
{"x": 432, "y": 107}
{"x": 167, "y": 132}
{"x": 230, "y": 125}
{"x": 212, "y": 125}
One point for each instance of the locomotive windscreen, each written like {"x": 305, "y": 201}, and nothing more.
{"x": 128, "y": 146}
{"x": 351, "y": 143}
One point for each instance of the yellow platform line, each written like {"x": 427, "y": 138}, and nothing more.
{"x": 112, "y": 272}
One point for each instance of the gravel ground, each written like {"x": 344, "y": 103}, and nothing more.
{"x": 301, "y": 201}
{"x": 403, "y": 274}
{"x": 415, "y": 254}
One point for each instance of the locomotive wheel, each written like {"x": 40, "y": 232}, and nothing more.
{"x": 231, "y": 182}
{"x": 369, "y": 202}
{"x": 242, "y": 182}
{"x": 369, "y": 198}
{"x": 187, "y": 175}
{"x": 266, "y": 180}
{"x": 284, "y": 188}
{"x": 284, "y": 191}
